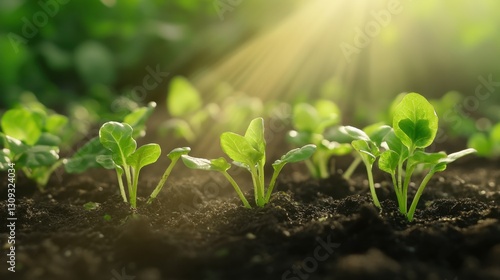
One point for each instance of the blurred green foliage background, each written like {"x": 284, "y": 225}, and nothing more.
{"x": 73, "y": 53}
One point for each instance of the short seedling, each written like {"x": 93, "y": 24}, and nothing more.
{"x": 415, "y": 125}
{"x": 124, "y": 158}
{"x": 487, "y": 145}
{"x": 249, "y": 152}
{"x": 30, "y": 138}
{"x": 368, "y": 148}
{"x": 310, "y": 123}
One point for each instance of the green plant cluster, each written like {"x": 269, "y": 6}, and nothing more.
{"x": 30, "y": 139}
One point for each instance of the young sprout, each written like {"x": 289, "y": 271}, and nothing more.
{"x": 310, "y": 123}
{"x": 124, "y": 156}
{"x": 86, "y": 157}
{"x": 368, "y": 149}
{"x": 30, "y": 139}
{"x": 249, "y": 151}
{"x": 415, "y": 125}
{"x": 486, "y": 145}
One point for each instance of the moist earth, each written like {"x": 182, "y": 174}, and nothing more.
{"x": 311, "y": 229}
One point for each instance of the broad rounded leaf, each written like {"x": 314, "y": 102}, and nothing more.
{"x": 415, "y": 122}
{"x": 429, "y": 159}
{"x": 377, "y": 132}
{"x": 239, "y": 149}
{"x": 388, "y": 162}
{"x": 305, "y": 117}
{"x": 117, "y": 137}
{"x": 55, "y": 123}
{"x": 481, "y": 143}
{"x": 395, "y": 144}
{"x": 106, "y": 161}
{"x": 85, "y": 157}
{"x": 22, "y": 124}
{"x": 182, "y": 98}
{"x": 39, "y": 156}
{"x": 143, "y": 156}
{"x": 177, "y": 152}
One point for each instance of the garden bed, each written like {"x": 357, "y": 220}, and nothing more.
{"x": 198, "y": 229}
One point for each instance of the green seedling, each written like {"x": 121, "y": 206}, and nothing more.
{"x": 249, "y": 151}
{"x": 487, "y": 145}
{"x": 368, "y": 149}
{"x": 415, "y": 125}
{"x": 310, "y": 123}
{"x": 185, "y": 105}
{"x": 124, "y": 156}
{"x": 30, "y": 138}
{"x": 85, "y": 157}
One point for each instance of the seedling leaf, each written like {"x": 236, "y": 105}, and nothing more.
{"x": 255, "y": 135}
{"x": 117, "y": 137}
{"x": 238, "y": 148}
{"x": 177, "y": 152}
{"x": 22, "y": 124}
{"x": 415, "y": 122}
{"x": 143, "y": 156}
{"x": 38, "y": 156}
{"x": 355, "y": 133}
{"x": 388, "y": 161}
{"x": 219, "y": 164}
{"x": 183, "y": 98}
{"x": 85, "y": 157}
{"x": 296, "y": 155}
{"x": 137, "y": 119}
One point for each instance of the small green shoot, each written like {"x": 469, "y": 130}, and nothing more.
{"x": 310, "y": 123}
{"x": 124, "y": 157}
{"x": 249, "y": 151}
{"x": 415, "y": 125}
{"x": 487, "y": 145}
{"x": 30, "y": 138}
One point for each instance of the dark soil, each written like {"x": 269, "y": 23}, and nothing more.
{"x": 197, "y": 229}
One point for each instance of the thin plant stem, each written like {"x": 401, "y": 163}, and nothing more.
{"x": 350, "y": 170}
{"x": 163, "y": 179}
{"x": 273, "y": 182}
{"x": 237, "y": 189}
{"x": 420, "y": 190}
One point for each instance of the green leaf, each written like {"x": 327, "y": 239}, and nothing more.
{"x": 55, "y": 123}
{"x": 395, "y": 144}
{"x": 143, "y": 156}
{"x": 4, "y": 159}
{"x": 388, "y": 161}
{"x": 178, "y": 152}
{"x": 22, "y": 124}
{"x": 334, "y": 148}
{"x": 117, "y": 137}
{"x": 428, "y": 159}
{"x": 106, "y": 161}
{"x": 219, "y": 164}
{"x": 415, "y": 121}
{"x": 301, "y": 138}
{"x": 255, "y": 135}
{"x": 481, "y": 143}
{"x": 443, "y": 163}
{"x": 328, "y": 112}
{"x": 48, "y": 139}
{"x": 296, "y": 155}
{"x": 15, "y": 146}
{"x": 137, "y": 119}
{"x": 39, "y": 156}
{"x": 182, "y": 98}
{"x": 364, "y": 149}
{"x": 355, "y": 133}
{"x": 238, "y": 148}
{"x": 85, "y": 157}
{"x": 377, "y": 132}
{"x": 305, "y": 117}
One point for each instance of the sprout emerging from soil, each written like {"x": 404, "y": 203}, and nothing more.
{"x": 249, "y": 152}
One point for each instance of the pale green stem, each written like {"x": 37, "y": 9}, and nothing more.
{"x": 133, "y": 194}
{"x": 372, "y": 185}
{"x": 237, "y": 189}
{"x": 420, "y": 190}
{"x": 348, "y": 173}
{"x": 163, "y": 179}
{"x": 120, "y": 184}
{"x": 273, "y": 182}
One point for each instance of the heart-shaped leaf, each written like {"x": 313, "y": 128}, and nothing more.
{"x": 117, "y": 137}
